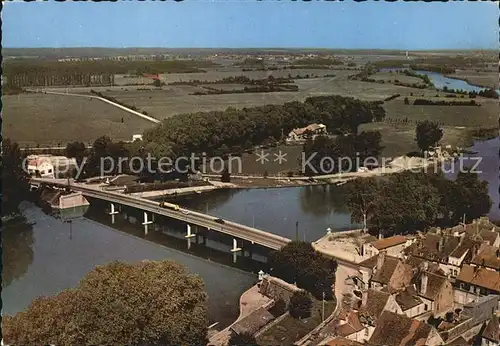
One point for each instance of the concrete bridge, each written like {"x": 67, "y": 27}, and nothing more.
{"x": 190, "y": 217}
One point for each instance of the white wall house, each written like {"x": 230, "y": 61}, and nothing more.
{"x": 40, "y": 167}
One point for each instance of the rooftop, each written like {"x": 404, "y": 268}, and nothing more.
{"x": 352, "y": 326}
{"x": 492, "y": 330}
{"x": 384, "y": 275}
{"x": 434, "y": 247}
{"x": 489, "y": 256}
{"x": 479, "y": 276}
{"x": 395, "y": 329}
{"x": 252, "y": 323}
{"x": 311, "y": 127}
{"x": 375, "y": 304}
{"x": 434, "y": 284}
{"x": 389, "y": 242}
{"x": 408, "y": 299}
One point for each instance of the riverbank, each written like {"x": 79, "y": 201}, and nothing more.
{"x": 492, "y": 84}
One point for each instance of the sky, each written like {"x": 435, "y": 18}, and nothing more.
{"x": 252, "y": 24}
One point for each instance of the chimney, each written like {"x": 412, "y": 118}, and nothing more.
{"x": 425, "y": 266}
{"x": 380, "y": 236}
{"x": 441, "y": 244}
{"x": 380, "y": 260}
{"x": 364, "y": 298}
{"x": 423, "y": 282}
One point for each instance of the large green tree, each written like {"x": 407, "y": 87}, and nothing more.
{"x": 428, "y": 134}
{"x": 149, "y": 303}
{"x": 15, "y": 185}
{"x": 76, "y": 150}
{"x": 300, "y": 304}
{"x": 362, "y": 199}
{"x": 407, "y": 202}
{"x": 471, "y": 196}
{"x": 298, "y": 262}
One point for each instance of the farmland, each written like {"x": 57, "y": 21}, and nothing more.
{"x": 48, "y": 120}
{"x": 60, "y": 119}
{"x": 485, "y": 79}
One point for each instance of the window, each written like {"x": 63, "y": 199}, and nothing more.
{"x": 425, "y": 307}
{"x": 455, "y": 272}
{"x": 49, "y": 171}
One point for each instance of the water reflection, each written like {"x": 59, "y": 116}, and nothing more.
{"x": 277, "y": 210}
{"x": 17, "y": 242}
{"x": 50, "y": 260}
{"x": 323, "y": 200}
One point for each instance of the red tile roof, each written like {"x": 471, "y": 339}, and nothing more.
{"x": 489, "y": 256}
{"x": 492, "y": 330}
{"x": 481, "y": 277}
{"x": 394, "y": 329}
{"x": 389, "y": 242}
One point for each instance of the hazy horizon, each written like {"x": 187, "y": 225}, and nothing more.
{"x": 257, "y": 24}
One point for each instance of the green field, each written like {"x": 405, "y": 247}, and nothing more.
{"x": 48, "y": 120}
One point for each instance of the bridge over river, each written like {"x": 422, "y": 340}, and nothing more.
{"x": 190, "y": 217}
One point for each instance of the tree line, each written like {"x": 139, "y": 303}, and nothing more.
{"x": 32, "y": 72}
{"x": 324, "y": 152}
{"x": 408, "y": 202}
{"x": 238, "y": 129}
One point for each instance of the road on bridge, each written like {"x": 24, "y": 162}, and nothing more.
{"x": 233, "y": 229}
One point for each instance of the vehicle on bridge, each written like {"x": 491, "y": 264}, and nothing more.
{"x": 170, "y": 206}
{"x": 219, "y": 220}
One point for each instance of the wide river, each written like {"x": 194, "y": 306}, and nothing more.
{"x": 51, "y": 255}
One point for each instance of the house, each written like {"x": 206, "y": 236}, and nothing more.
{"x": 435, "y": 291}
{"x": 463, "y": 253}
{"x": 390, "y": 273}
{"x": 393, "y": 246}
{"x": 373, "y": 304}
{"x": 468, "y": 322}
{"x": 491, "y": 333}
{"x": 350, "y": 327}
{"x": 395, "y": 329}
{"x": 253, "y": 322}
{"x": 277, "y": 289}
{"x": 409, "y": 302}
{"x": 474, "y": 282}
{"x": 40, "y": 167}
{"x": 481, "y": 228}
{"x": 436, "y": 248}
{"x": 49, "y": 166}
{"x": 307, "y": 132}
{"x": 488, "y": 257}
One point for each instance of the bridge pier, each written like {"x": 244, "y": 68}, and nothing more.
{"x": 235, "y": 250}
{"x": 113, "y": 212}
{"x": 189, "y": 236}
{"x": 146, "y": 223}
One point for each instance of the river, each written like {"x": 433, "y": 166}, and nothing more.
{"x": 441, "y": 81}
{"x": 50, "y": 256}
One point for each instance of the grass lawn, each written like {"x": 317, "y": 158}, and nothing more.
{"x": 290, "y": 329}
